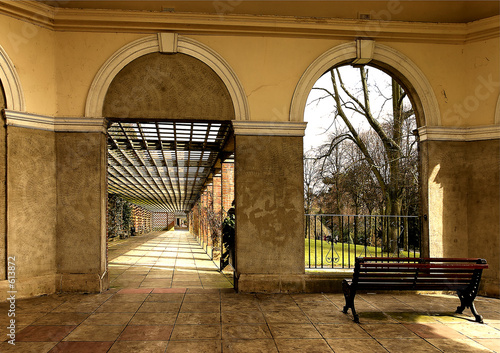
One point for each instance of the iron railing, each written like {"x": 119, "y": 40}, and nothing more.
{"x": 334, "y": 241}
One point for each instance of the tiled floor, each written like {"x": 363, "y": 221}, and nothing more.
{"x": 163, "y": 260}
{"x": 201, "y": 318}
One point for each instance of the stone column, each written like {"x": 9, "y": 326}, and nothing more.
{"x": 269, "y": 206}
{"x": 461, "y": 181}
{"x": 81, "y": 211}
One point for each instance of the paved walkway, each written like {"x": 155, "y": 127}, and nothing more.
{"x": 163, "y": 260}
{"x": 173, "y": 319}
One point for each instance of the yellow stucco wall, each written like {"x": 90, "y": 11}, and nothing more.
{"x": 56, "y": 70}
{"x": 267, "y": 67}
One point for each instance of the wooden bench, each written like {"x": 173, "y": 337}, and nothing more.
{"x": 416, "y": 274}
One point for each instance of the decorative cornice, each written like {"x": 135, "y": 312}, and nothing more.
{"x": 459, "y": 134}
{"x": 92, "y": 20}
{"x": 56, "y": 124}
{"x": 269, "y": 128}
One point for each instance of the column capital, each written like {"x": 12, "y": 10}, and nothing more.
{"x": 269, "y": 128}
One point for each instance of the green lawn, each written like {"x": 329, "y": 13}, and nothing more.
{"x": 318, "y": 252}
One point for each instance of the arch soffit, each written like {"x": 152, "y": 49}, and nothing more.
{"x": 11, "y": 84}
{"x": 383, "y": 54}
{"x": 150, "y": 44}
{"x": 497, "y": 112}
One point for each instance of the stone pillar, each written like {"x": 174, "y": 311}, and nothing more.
{"x": 31, "y": 209}
{"x": 461, "y": 180}
{"x": 81, "y": 211}
{"x": 269, "y": 206}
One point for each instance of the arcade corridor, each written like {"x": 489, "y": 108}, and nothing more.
{"x": 171, "y": 259}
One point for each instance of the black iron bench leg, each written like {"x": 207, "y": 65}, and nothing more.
{"x": 349, "y": 301}
{"x": 467, "y": 301}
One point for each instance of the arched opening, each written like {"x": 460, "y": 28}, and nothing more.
{"x": 169, "y": 139}
{"x": 408, "y": 76}
{"x": 361, "y": 168}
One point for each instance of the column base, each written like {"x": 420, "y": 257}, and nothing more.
{"x": 83, "y": 282}
{"x": 30, "y": 287}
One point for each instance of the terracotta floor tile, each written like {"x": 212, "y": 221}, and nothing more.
{"x": 82, "y": 347}
{"x": 476, "y": 330}
{"x": 330, "y": 317}
{"x": 27, "y": 347}
{"x": 198, "y": 319}
{"x": 249, "y": 346}
{"x": 286, "y": 317}
{"x": 491, "y": 343}
{"x": 408, "y": 345}
{"x": 25, "y": 319}
{"x": 43, "y": 333}
{"x": 196, "y": 332}
{"x": 201, "y": 307}
{"x": 373, "y": 317}
{"x": 341, "y": 331}
{"x": 273, "y": 306}
{"x": 412, "y": 317}
{"x": 235, "y": 317}
{"x": 356, "y": 345}
{"x": 168, "y": 290}
{"x": 303, "y": 346}
{"x": 153, "y": 319}
{"x": 388, "y": 331}
{"x": 244, "y": 306}
{"x": 254, "y": 331}
{"x": 433, "y": 330}
{"x": 121, "y": 297}
{"x": 156, "y": 283}
{"x": 198, "y": 297}
{"x": 159, "y": 307}
{"x": 119, "y": 307}
{"x": 166, "y": 297}
{"x": 464, "y": 345}
{"x": 294, "y": 331}
{"x": 146, "y": 333}
{"x": 95, "y": 333}
{"x": 77, "y": 307}
{"x": 61, "y": 319}
{"x": 200, "y": 346}
{"x": 108, "y": 319}
{"x": 138, "y": 347}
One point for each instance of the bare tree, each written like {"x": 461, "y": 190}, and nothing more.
{"x": 388, "y": 157}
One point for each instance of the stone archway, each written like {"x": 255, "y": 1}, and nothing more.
{"x": 155, "y": 44}
{"x": 13, "y": 94}
{"x": 385, "y": 58}
{"x": 186, "y": 83}
{"x": 406, "y": 73}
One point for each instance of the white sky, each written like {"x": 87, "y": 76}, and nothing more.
{"x": 320, "y": 115}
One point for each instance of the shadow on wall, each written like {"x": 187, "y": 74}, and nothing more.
{"x": 464, "y": 192}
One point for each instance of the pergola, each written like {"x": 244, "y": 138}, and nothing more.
{"x": 163, "y": 166}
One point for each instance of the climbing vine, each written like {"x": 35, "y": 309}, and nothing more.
{"x": 119, "y": 217}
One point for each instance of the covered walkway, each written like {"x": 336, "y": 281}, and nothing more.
{"x": 171, "y": 259}
{"x": 167, "y": 296}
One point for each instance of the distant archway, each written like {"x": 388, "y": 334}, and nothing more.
{"x": 386, "y": 58}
